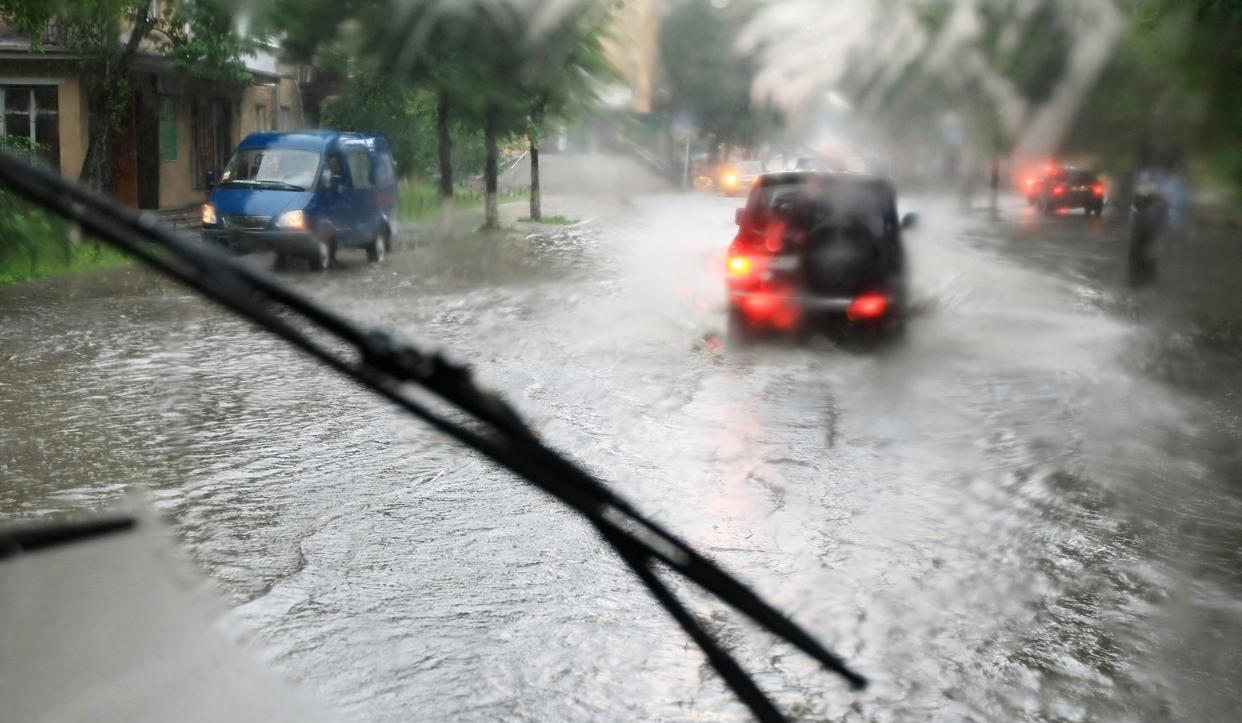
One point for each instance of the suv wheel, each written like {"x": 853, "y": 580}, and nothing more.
{"x": 738, "y": 333}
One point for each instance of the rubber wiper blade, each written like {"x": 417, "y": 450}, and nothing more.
{"x": 389, "y": 367}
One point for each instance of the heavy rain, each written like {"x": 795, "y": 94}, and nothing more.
{"x": 921, "y": 319}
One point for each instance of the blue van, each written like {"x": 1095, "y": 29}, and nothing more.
{"x": 304, "y": 194}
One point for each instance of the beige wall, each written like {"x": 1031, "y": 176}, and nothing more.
{"x": 633, "y": 47}
{"x": 271, "y": 97}
{"x": 176, "y": 178}
{"x": 73, "y": 132}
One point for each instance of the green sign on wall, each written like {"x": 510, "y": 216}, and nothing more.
{"x": 168, "y": 129}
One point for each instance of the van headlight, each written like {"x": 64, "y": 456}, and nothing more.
{"x": 292, "y": 220}
{"x": 209, "y": 215}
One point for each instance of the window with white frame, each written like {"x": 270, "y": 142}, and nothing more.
{"x": 31, "y": 112}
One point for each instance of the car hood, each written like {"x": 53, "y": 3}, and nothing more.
{"x": 236, "y": 201}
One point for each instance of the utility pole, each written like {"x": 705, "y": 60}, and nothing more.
{"x": 685, "y": 180}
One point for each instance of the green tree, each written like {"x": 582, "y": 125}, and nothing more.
{"x": 561, "y": 82}
{"x": 501, "y": 67}
{"x": 708, "y": 77}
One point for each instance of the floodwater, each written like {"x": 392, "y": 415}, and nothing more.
{"x": 1029, "y": 509}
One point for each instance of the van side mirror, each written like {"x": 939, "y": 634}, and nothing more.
{"x": 738, "y": 215}
{"x": 209, "y": 178}
{"x": 909, "y": 221}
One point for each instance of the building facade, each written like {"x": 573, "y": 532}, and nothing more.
{"x": 633, "y": 47}
{"x": 175, "y": 128}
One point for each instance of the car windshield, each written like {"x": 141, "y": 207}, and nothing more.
{"x": 998, "y": 473}
{"x": 290, "y": 167}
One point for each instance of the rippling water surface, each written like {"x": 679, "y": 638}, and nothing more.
{"x": 1014, "y": 514}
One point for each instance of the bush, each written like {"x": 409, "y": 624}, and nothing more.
{"x": 34, "y": 244}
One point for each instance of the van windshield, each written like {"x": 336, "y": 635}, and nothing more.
{"x": 289, "y": 168}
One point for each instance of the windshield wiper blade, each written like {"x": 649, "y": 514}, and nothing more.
{"x": 389, "y": 367}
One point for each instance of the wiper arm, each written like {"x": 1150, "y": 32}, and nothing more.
{"x": 388, "y": 367}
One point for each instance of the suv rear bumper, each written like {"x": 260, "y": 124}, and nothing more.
{"x": 245, "y": 241}
{"x": 799, "y": 302}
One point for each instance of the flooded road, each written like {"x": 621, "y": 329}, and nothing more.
{"x": 1027, "y": 510}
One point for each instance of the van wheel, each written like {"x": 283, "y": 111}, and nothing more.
{"x": 320, "y": 257}
{"x": 378, "y": 247}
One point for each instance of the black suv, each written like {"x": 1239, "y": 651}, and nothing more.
{"x": 1068, "y": 187}
{"x": 817, "y": 250}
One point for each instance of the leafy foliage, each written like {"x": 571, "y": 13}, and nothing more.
{"x": 499, "y": 68}
{"x": 200, "y": 38}
{"x": 707, "y": 77}
{"x": 31, "y": 239}
{"x": 406, "y": 116}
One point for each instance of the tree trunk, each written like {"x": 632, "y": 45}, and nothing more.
{"x": 98, "y": 170}
{"x": 536, "y": 207}
{"x": 104, "y": 102}
{"x": 445, "y": 147}
{"x": 491, "y": 174}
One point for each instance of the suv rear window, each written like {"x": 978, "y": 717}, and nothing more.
{"x": 809, "y": 202}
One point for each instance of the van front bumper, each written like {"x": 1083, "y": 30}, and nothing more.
{"x": 242, "y": 241}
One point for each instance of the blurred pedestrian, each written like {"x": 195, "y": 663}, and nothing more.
{"x": 1148, "y": 216}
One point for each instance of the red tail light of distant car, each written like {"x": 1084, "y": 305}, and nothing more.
{"x": 1058, "y": 190}
{"x": 1098, "y": 189}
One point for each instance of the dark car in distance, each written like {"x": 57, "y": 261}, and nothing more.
{"x": 1067, "y": 187}
{"x": 817, "y": 251}
{"x": 736, "y": 179}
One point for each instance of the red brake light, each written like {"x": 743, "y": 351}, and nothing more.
{"x": 1098, "y": 189}
{"x": 740, "y": 266}
{"x": 867, "y": 307}
{"x": 1058, "y": 189}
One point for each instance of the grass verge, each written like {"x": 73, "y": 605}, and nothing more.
{"x": 44, "y": 260}
{"x": 419, "y": 200}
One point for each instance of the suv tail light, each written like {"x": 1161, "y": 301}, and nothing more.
{"x": 867, "y": 307}
{"x": 1058, "y": 189}
{"x": 1098, "y": 189}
